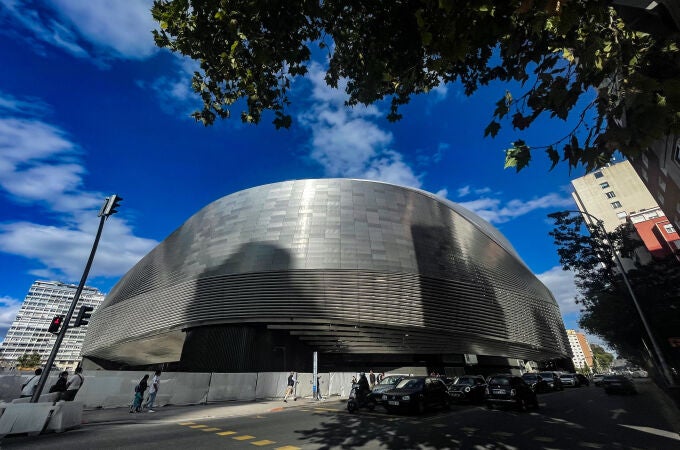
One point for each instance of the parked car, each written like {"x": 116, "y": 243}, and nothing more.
{"x": 510, "y": 390}
{"x": 583, "y": 380}
{"x": 468, "y": 388}
{"x": 618, "y": 384}
{"x": 417, "y": 394}
{"x": 569, "y": 380}
{"x": 386, "y": 384}
{"x": 597, "y": 379}
{"x": 536, "y": 382}
{"x": 553, "y": 380}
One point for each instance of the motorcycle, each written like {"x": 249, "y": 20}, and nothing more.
{"x": 357, "y": 400}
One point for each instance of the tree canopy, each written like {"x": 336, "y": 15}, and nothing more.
{"x": 560, "y": 52}
{"x": 607, "y": 309}
{"x": 29, "y": 360}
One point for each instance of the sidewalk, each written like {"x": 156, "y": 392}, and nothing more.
{"x": 199, "y": 412}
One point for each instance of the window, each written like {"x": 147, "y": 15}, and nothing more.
{"x": 669, "y": 228}
{"x": 676, "y": 153}
{"x": 616, "y": 205}
{"x": 604, "y": 185}
{"x": 610, "y": 194}
{"x": 662, "y": 185}
{"x": 659, "y": 197}
{"x": 622, "y": 214}
{"x": 645, "y": 160}
{"x": 598, "y": 174}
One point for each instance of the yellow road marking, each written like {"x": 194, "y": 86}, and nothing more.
{"x": 188, "y": 423}
{"x": 263, "y": 442}
{"x": 245, "y": 437}
{"x": 210, "y": 429}
{"x": 226, "y": 433}
{"x": 198, "y": 426}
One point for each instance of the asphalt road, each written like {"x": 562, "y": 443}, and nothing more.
{"x": 577, "y": 418}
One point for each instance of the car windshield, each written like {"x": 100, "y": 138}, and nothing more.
{"x": 566, "y": 376}
{"x": 390, "y": 380}
{"x": 546, "y": 375}
{"x": 410, "y": 383}
{"x": 530, "y": 376}
{"x": 500, "y": 380}
{"x": 465, "y": 380}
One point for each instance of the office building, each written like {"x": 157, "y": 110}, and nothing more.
{"x": 28, "y": 333}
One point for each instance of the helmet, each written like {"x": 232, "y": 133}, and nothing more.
{"x": 362, "y": 374}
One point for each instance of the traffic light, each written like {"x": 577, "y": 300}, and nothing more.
{"x": 111, "y": 205}
{"x": 83, "y": 315}
{"x": 56, "y": 323}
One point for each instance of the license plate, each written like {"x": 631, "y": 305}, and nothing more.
{"x": 393, "y": 403}
{"x": 457, "y": 394}
{"x": 498, "y": 391}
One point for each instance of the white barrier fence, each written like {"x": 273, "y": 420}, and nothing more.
{"x": 111, "y": 389}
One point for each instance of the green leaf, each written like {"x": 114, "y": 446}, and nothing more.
{"x": 518, "y": 156}
{"x": 492, "y": 129}
{"x": 554, "y": 156}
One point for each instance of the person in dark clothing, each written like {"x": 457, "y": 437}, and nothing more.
{"x": 60, "y": 385}
{"x": 139, "y": 395}
{"x": 363, "y": 386}
{"x": 290, "y": 387}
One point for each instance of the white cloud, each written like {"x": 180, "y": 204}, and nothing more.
{"x": 87, "y": 29}
{"x": 174, "y": 91}
{"x": 346, "y": 142}
{"x": 561, "y": 284}
{"x": 443, "y": 193}
{"x": 495, "y": 211}
{"x": 40, "y": 167}
{"x": 8, "y": 311}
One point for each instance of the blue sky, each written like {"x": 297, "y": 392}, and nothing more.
{"x": 90, "y": 107}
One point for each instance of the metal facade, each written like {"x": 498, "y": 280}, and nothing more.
{"x": 346, "y": 266}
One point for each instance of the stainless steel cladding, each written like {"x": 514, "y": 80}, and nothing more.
{"x": 345, "y": 266}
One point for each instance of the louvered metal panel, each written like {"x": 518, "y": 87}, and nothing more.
{"x": 347, "y": 266}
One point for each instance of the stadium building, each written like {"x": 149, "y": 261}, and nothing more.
{"x": 365, "y": 273}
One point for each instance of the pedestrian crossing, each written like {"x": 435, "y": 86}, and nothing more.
{"x": 237, "y": 436}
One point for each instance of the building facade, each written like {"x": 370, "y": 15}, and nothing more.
{"x": 28, "y": 333}
{"x": 611, "y": 194}
{"x": 659, "y": 168}
{"x": 361, "y": 272}
{"x": 659, "y": 237}
{"x": 580, "y": 348}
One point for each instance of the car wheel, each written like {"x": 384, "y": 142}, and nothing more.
{"x": 370, "y": 405}
{"x": 489, "y": 405}
{"x": 420, "y": 407}
{"x": 447, "y": 404}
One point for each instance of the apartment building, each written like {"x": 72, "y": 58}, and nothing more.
{"x": 28, "y": 333}
{"x": 580, "y": 348}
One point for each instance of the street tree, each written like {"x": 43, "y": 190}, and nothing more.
{"x": 560, "y": 52}
{"x": 29, "y": 360}
{"x": 602, "y": 360}
{"x": 607, "y": 309}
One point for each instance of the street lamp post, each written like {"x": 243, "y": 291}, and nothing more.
{"x": 657, "y": 350}
{"x": 109, "y": 207}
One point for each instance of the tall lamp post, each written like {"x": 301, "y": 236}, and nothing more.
{"x": 657, "y": 350}
{"x": 110, "y": 207}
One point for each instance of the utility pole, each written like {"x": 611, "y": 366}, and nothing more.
{"x": 665, "y": 371}
{"x": 110, "y": 207}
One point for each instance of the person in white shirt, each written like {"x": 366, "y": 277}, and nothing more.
{"x": 153, "y": 390}
{"x": 73, "y": 385}
{"x": 28, "y": 389}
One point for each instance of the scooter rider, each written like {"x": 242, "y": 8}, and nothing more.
{"x": 363, "y": 387}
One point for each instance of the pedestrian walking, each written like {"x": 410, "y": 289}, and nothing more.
{"x": 28, "y": 388}
{"x": 74, "y": 384}
{"x": 371, "y": 378}
{"x": 290, "y": 387}
{"x": 139, "y": 395}
{"x": 153, "y": 390}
